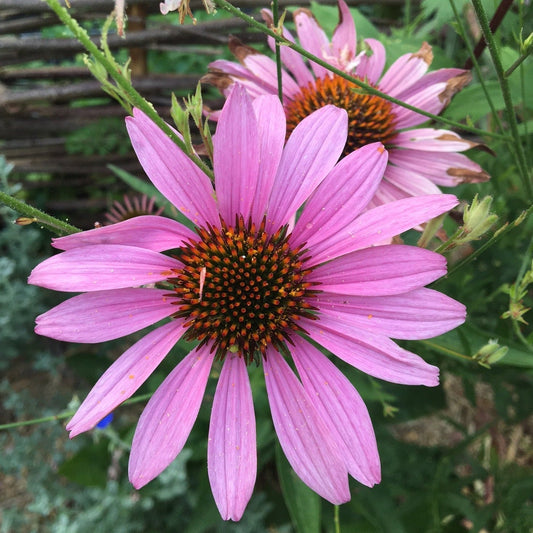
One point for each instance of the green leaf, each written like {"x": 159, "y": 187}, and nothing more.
{"x": 303, "y": 504}
{"x": 89, "y": 466}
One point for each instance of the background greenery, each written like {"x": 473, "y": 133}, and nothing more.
{"x": 454, "y": 458}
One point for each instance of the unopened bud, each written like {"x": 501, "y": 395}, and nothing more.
{"x": 490, "y": 353}
{"x": 25, "y": 221}
{"x": 477, "y": 220}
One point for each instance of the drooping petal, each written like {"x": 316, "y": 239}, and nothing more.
{"x": 167, "y": 420}
{"x": 453, "y": 78}
{"x": 309, "y": 155}
{"x": 236, "y": 155}
{"x": 406, "y": 70}
{"x": 410, "y": 182}
{"x": 223, "y": 74}
{"x": 104, "y": 315}
{"x": 303, "y": 435}
{"x": 418, "y": 314}
{"x": 171, "y": 171}
{"x": 125, "y": 376}
{"x": 432, "y": 140}
{"x": 272, "y": 127}
{"x": 312, "y": 37}
{"x": 380, "y": 271}
{"x": 102, "y": 266}
{"x": 447, "y": 168}
{"x": 373, "y": 354}
{"x": 343, "y": 410}
{"x": 382, "y": 223}
{"x": 231, "y": 450}
{"x": 371, "y": 64}
{"x": 148, "y": 231}
{"x": 290, "y": 58}
{"x": 345, "y": 191}
{"x": 344, "y": 38}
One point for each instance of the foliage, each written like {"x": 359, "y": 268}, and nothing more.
{"x": 455, "y": 459}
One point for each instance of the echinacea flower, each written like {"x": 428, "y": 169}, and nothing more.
{"x": 420, "y": 159}
{"x": 250, "y": 290}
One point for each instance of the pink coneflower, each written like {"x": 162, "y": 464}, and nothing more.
{"x": 132, "y": 206}
{"x": 419, "y": 159}
{"x": 250, "y": 290}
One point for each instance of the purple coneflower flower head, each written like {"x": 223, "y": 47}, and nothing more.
{"x": 420, "y": 160}
{"x": 132, "y": 206}
{"x": 252, "y": 292}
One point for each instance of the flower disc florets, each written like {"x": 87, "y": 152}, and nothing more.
{"x": 242, "y": 289}
{"x": 370, "y": 117}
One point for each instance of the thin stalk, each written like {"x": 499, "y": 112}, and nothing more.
{"x": 135, "y": 98}
{"x": 517, "y": 63}
{"x": 39, "y": 217}
{"x": 506, "y": 93}
{"x": 275, "y": 16}
{"x": 494, "y": 24}
{"x": 407, "y": 13}
{"x": 336, "y": 521}
{"x": 501, "y": 232}
{"x": 368, "y": 88}
{"x": 462, "y": 31}
{"x": 66, "y": 414}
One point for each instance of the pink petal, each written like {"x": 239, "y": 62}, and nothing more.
{"x": 231, "y": 450}
{"x": 102, "y": 266}
{"x": 380, "y": 271}
{"x": 242, "y": 75}
{"x": 432, "y": 140}
{"x": 291, "y": 59}
{"x": 418, "y": 314}
{"x": 443, "y": 75}
{"x": 303, "y": 435}
{"x": 310, "y": 153}
{"x": 428, "y": 99}
{"x": 168, "y": 418}
{"x": 447, "y": 169}
{"x": 345, "y": 191}
{"x": 371, "y": 64}
{"x": 382, "y": 223}
{"x": 265, "y": 69}
{"x": 271, "y": 123}
{"x": 313, "y": 38}
{"x": 405, "y": 71}
{"x": 236, "y": 155}
{"x": 125, "y": 376}
{"x": 148, "y": 231}
{"x": 344, "y": 38}
{"x": 343, "y": 410}
{"x": 412, "y": 183}
{"x": 101, "y": 316}
{"x": 373, "y": 354}
{"x": 171, "y": 171}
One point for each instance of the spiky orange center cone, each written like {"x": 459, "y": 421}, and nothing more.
{"x": 370, "y": 118}
{"x": 242, "y": 289}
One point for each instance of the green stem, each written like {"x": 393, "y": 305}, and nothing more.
{"x": 275, "y": 16}
{"x": 516, "y": 144}
{"x": 481, "y": 78}
{"x": 517, "y": 63}
{"x": 49, "y": 222}
{"x": 504, "y": 230}
{"x": 135, "y": 98}
{"x": 360, "y": 83}
{"x": 66, "y": 414}
{"x": 336, "y": 520}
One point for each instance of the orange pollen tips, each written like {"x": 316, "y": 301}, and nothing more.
{"x": 241, "y": 289}
{"x": 370, "y": 118}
